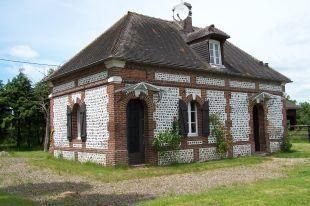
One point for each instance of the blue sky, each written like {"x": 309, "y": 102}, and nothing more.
{"x": 52, "y": 31}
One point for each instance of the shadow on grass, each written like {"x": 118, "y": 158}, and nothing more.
{"x": 71, "y": 193}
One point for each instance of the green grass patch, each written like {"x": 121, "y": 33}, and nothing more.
{"x": 7, "y": 199}
{"x": 299, "y": 150}
{"x": 292, "y": 190}
{"x": 109, "y": 174}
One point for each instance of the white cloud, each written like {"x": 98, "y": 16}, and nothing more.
{"x": 23, "y": 51}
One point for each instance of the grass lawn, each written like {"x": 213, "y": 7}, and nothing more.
{"x": 299, "y": 150}
{"x": 291, "y": 190}
{"x": 106, "y": 174}
{"x": 11, "y": 200}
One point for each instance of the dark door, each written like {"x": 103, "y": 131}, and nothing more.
{"x": 256, "y": 128}
{"x": 259, "y": 128}
{"x": 135, "y": 132}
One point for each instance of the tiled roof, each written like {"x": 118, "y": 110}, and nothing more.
{"x": 291, "y": 105}
{"x": 247, "y": 65}
{"x": 142, "y": 39}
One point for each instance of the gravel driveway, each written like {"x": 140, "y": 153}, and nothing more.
{"x": 49, "y": 188}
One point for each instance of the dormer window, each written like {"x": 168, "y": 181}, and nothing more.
{"x": 215, "y": 52}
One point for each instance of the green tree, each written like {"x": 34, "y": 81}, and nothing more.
{"x": 303, "y": 114}
{"x": 290, "y": 99}
{"x": 3, "y": 111}
{"x": 19, "y": 96}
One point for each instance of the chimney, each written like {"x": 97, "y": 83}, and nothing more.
{"x": 188, "y": 24}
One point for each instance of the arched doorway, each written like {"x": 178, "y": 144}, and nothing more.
{"x": 135, "y": 131}
{"x": 259, "y": 128}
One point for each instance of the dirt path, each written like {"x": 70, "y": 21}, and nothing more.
{"x": 49, "y": 188}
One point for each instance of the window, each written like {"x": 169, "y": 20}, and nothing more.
{"x": 192, "y": 119}
{"x": 215, "y": 52}
{"x": 76, "y": 122}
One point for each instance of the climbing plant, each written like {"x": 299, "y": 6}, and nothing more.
{"x": 221, "y": 134}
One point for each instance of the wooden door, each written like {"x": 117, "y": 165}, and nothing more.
{"x": 135, "y": 132}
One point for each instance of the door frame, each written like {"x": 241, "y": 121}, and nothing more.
{"x": 259, "y": 128}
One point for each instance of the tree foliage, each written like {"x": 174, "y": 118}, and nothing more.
{"x": 22, "y": 116}
{"x": 303, "y": 114}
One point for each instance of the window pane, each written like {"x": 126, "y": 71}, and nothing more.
{"x": 193, "y": 117}
{"x": 216, "y": 47}
{"x": 212, "y": 60}
{"x": 193, "y": 128}
{"x": 192, "y": 106}
{"x": 211, "y": 46}
{"x": 216, "y": 53}
{"x": 211, "y": 53}
{"x": 217, "y": 60}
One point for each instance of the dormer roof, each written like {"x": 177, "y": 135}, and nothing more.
{"x": 210, "y": 31}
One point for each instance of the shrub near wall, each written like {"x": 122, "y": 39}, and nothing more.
{"x": 168, "y": 140}
{"x": 221, "y": 134}
{"x": 168, "y": 145}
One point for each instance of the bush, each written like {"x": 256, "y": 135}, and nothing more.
{"x": 169, "y": 139}
{"x": 286, "y": 145}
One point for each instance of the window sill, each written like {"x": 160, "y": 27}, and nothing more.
{"x": 76, "y": 140}
{"x": 192, "y": 135}
{"x": 217, "y": 66}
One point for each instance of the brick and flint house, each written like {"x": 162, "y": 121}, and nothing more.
{"x": 111, "y": 99}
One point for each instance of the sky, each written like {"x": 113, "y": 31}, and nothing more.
{"x": 52, "y": 31}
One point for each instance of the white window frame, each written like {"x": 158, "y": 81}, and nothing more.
{"x": 212, "y": 53}
{"x": 190, "y": 121}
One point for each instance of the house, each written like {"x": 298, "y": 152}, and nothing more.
{"x": 111, "y": 99}
{"x": 291, "y": 113}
